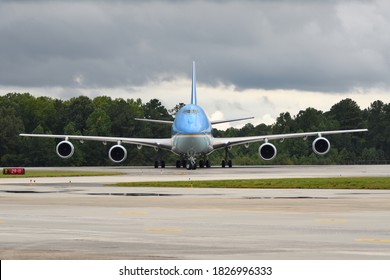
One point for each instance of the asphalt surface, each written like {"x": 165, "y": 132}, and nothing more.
{"x": 81, "y": 218}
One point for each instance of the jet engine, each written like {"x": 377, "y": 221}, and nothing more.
{"x": 65, "y": 149}
{"x": 321, "y": 146}
{"x": 117, "y": 153}
{"x": 267, "y": 151}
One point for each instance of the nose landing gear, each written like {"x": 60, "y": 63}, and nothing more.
{"x": 192, "y": 164}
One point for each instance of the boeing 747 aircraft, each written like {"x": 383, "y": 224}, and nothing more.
{"x": 191, "y": 139}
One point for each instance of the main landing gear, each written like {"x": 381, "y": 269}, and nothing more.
{"x": 226, "y": 161}
{"x": 158, "y": 163}
{"x": 204, "y": 163}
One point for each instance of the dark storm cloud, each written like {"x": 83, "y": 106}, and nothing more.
{"x": 304, "y": 45}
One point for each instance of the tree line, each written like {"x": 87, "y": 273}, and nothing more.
{"x": 104, "y": 116}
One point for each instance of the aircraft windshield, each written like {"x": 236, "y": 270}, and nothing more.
{"x": 192, "y": 111}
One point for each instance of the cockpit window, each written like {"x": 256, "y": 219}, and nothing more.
{"x": 193, "y": 111}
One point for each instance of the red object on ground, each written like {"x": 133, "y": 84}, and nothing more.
{"x": 14, "y": 171}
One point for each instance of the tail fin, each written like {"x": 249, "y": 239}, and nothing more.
{"x": 193, "y": 92}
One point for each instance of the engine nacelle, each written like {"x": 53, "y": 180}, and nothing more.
{"x": 117, "y": 153}
{"x": 65, "y": 149}
{"x": 267, "y": 151}
{"x": 321, "y": 146}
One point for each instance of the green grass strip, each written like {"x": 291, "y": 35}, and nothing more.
{"x": 61, "y": 173}
{"x": 293, "y": 183}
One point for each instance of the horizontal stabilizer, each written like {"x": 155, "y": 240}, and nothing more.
{"x": 154, "y": 121}
{"x": 233, "y": 120}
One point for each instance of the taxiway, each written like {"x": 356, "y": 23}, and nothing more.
{"x": 81, "y": 218}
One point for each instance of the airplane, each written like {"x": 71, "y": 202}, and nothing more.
{"x": 191, "y": 139}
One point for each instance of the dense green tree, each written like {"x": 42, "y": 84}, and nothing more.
{"x": 347, "y": 113}
{"x": 98, "y": 123}
{"x": 122, "y": 114}
{"x": 311, "y": 120}
{"x": 284, "y": 124}
{"x": 22, "y": 112}
{"x": 378, "y": 120}
{"x": 41, "y": 150}
{"x": 247, "y": 130}
{"x": 103, "y": 102}
{"x": 155, "y": 110}
{"x": 10, "y": 143}
{"x": 79, "y": 108}
{"x": 386, "y": 130}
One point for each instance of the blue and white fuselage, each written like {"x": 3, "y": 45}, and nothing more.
{"x": 191, "y": 129}
{"x": 191, "y": 132}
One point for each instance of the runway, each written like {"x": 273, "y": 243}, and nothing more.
{"x": 81, "y": 218}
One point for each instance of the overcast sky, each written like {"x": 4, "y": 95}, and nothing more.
{"x": 254, "y": 58}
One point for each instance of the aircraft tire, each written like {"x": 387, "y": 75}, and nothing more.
{"x": 190, "y": 166}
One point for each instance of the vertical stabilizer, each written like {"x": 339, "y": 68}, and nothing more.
{"x": 193, "y": 91}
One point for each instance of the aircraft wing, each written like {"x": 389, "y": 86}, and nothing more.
{"x": 219, "y": 143}
{"x": 163, "y": 143}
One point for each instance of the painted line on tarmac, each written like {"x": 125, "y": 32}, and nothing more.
{"x": 332, "y": 220}
{"x": 372, "y": 240}
{"x": 163, "y": 230}
{"x": 133, "y": 213}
